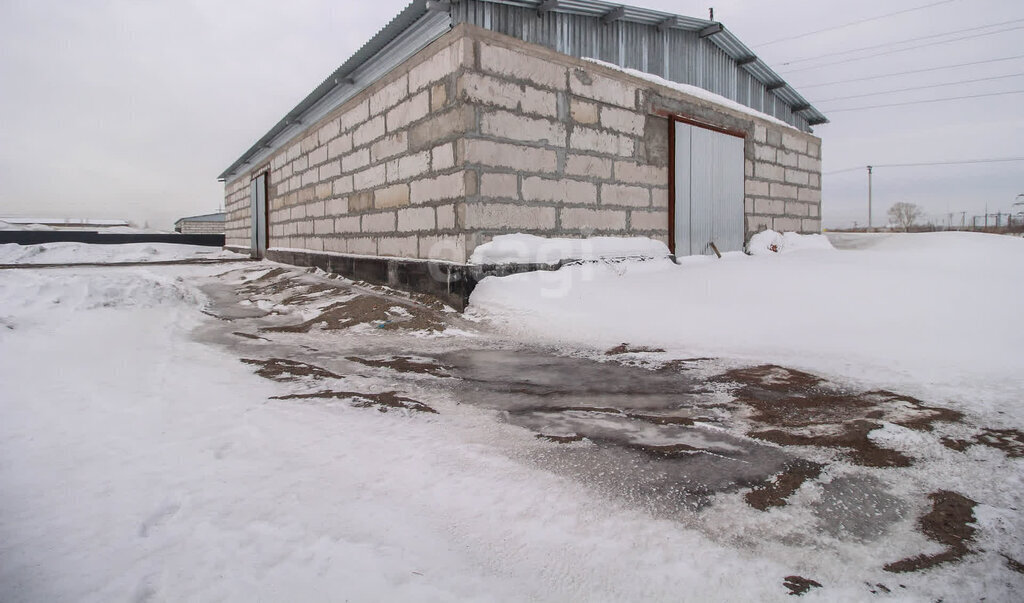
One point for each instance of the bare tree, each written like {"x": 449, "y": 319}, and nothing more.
{"x": 904, "y": 214}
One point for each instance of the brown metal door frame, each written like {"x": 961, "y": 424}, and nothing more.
{"x": 672, "y": 119}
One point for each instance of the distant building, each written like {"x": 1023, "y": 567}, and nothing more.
{"x": 61, "y": 223}
{"x": 205, "y": 224}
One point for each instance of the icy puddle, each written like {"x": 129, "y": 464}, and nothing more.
{"x": 647, "y": 434}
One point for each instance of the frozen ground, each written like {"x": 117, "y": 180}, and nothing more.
{"x": 214, "y": 433}
{"x": 84, "y": 253}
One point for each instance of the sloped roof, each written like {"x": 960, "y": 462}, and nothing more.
{"x": 418, "y": 11}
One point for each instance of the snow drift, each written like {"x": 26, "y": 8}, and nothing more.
{"x": 86, "y": 253}
{"x": 529, "y": 249}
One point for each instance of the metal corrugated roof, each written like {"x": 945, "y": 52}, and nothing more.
{"x": 722, "y": 38}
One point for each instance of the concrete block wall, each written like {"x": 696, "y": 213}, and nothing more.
{"x": 202, "y": 228}
{"x": 783, "y": 181}
{"x": 379, "y": 175}
{"x": 237, "y": 227}
{"x": 483, "y": 134}
{"x": 565, "y": 147}
{"x": 557, "y": 149}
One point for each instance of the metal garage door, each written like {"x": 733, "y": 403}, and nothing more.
{"x": 258, "y": 209}
{"x": 708, "y": 190}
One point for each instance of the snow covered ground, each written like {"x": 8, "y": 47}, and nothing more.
{"x": 141, "y": 460}
{"x": 84, "y": 253}
{"x": 140, "y": 464}
{"x": 936, "y": 315}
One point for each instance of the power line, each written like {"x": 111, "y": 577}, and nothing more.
{"x": 932, "y": 100}
{"x": 890, "y": 52}
{"x": 852, "y": 23}
{"x": 926, "y": 163}
{"x": 884, "y": 75}
{"x": 907, "y": 41}
{"x": 894, "y": 91}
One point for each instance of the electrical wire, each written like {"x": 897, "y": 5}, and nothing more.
{"x": 932, "y": 100}
{"x": 907, "y": 41}
{"x": 928, "y": 69}
{"x": 925, "y": 163}
{"x": 852, "y": 23}
{"x": 898, "y": 50}
{"x": 896, "y": 90}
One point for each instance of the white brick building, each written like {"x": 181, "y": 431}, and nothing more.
{"x": 443, "y": 132}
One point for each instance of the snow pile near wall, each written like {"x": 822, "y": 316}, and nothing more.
{"x": 74, "y": 292}
{"x": 768, "y": 242}
{"x": 700, "y": 93}
{"x": 529, "y": 249}
{"x": 937, "y": 314}
{"x": 85, "y": 253}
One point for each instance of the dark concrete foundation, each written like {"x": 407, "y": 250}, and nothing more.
{"x": 38, "y": 237}
{"x": 451, "y": 283}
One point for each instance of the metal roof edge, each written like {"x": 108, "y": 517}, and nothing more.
{"x": 409, "y": 15}
{"x": 738, "y": 51}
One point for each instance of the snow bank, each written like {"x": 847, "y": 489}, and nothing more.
{"x": 85, "y": 253}
{"x": 937, "y": 313}
{"x": 530, "y": 249}
{"x": 769, "y": 241}
{"x": 700, "y": 93}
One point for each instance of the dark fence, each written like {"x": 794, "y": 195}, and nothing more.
{"x": 36, "y": 237}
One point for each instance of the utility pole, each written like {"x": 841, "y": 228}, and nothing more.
{"x": 869, "y": 198}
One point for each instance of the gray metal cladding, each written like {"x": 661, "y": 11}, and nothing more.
{"x": 708, "y": 191}
{"x": 675, "y": 52}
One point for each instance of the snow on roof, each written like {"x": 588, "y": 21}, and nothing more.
{"x": 696, "y": 91}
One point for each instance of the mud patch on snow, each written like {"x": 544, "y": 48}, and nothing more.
{"x": 799, "y": 585}
{"x": 266, "y": 283}
{"x": 379, "y": 312}
{"x": 403, "y": 364}
{"x": 1010, "y": 441}
{"x": 381, "y": 400}
{"x": 625, "y": 348}
{"x": 308, "y": 294}
{"x": 774, "y": 492}
{"x": 851, "y": 438}
{"x": 282, "y": 369}
{"x": 561, "y": 439}
{"x": 801, "y": 409}
{"x": 1013, "y": 564}
{"x": 947, "y": 523}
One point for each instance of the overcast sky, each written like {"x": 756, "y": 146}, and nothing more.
{"x": 131, "y": 108}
